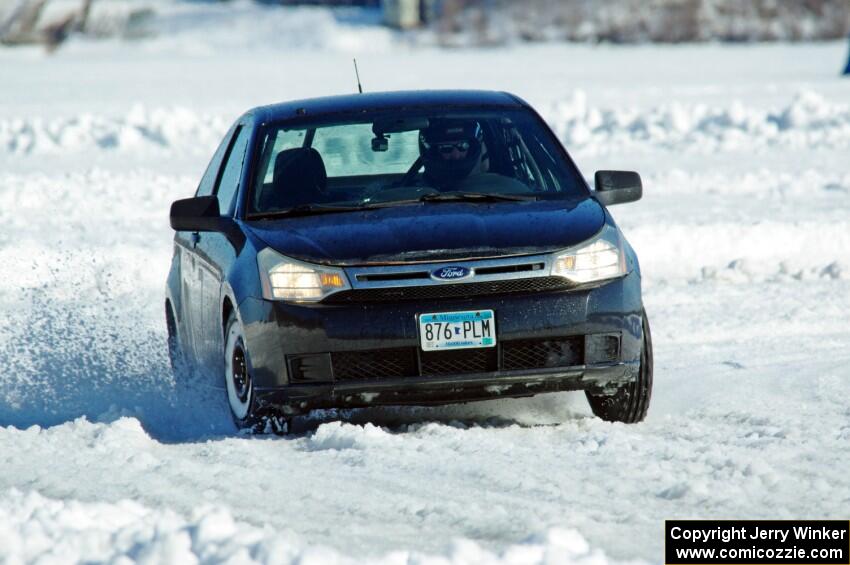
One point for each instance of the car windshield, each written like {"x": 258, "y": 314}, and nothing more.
{"x": 387, "y": 159}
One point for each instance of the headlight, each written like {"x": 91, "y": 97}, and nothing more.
{"x": 599, "y": 259}
{"x": 287, "y": 279}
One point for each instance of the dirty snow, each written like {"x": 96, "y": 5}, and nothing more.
{"x": 743, "y": 235}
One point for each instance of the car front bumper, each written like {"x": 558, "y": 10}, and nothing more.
{"x": 319, "y": 356}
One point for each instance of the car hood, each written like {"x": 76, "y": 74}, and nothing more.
{"x": 432, "y": 231}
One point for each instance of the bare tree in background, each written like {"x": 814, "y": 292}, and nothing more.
{"x": 637, "y": 21}
{"x": 21, "y": 26}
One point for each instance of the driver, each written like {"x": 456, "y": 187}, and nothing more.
{"x": 450, "y": 151}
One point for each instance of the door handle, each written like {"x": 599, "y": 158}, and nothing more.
{"x": 194, "y": 237}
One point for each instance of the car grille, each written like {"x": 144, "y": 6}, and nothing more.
{"x": 481, "y": 360}
{"x": 512, "y": 355}
{"x": 533, "y": 354}
{"x": 438, "y": 291}
{"x": 381, "y": 363}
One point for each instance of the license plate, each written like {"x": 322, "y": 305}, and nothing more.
{"x": 457, "y": 330}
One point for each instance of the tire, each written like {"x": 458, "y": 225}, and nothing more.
{"x": 239, "y": 385}
{"x": 237, "y": 375}
{"x": 630, "y": 403}
{"x": 176, "y": 353}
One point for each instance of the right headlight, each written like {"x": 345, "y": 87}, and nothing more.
{"x": 598, "y": 259}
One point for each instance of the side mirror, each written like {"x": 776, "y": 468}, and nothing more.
{"x": 201, "y": 214}
{"x": 617, "y": 187}
{"x": 196, "y": 214}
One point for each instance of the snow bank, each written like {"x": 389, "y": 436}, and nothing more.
{"x": 762, "y": 226}
{"x": 140, "y": 129}
{"x": 758, "y": 184}
{"x": 34, "y": 528}
{"x": 807, "y": 121}
{"x": 732, "y": 253}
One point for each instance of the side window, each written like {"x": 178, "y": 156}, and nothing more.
{"x": 274, "y": 144}
{"x": 205, "y": 188}
{"x": 228, "y": 183}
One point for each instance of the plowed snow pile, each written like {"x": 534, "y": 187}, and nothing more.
{"x": 744, "y": 240}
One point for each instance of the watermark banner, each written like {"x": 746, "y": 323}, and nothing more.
{"x": 757, "y": 542}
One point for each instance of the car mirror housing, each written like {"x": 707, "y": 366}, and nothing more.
{"x": 618, "y": 187}
{"x": 200, "y": 213}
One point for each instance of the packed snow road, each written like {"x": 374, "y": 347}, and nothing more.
{"x": 744, "y": 237}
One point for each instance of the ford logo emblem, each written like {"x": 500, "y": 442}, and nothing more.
{"x": 451, "y": 273}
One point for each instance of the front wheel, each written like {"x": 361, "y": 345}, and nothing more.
{"x": 630, "y": 403}
{"x": 240, "y": 385}
{"x": 237, "y": 376}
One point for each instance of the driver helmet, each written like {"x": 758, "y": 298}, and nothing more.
{"x": 450, "y": 149}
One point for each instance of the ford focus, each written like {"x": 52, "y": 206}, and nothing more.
{"x": 405, "y": 248}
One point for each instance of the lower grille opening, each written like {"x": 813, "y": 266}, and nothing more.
{"x": 510, "y": 355}
{"x": 462, "y": 361}
{"x": 542, "y": 353}
{"x": 378, "y": 364}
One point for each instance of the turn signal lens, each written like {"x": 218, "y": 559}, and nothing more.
{"x": 332, "y": 280}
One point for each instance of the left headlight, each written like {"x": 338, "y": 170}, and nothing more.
{"x": 284, "y": 278}
{"x": 598, "y": 259}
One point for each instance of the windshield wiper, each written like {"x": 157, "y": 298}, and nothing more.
{"x": 313, "y": 209}
{"x": 305, "y": 210}
{"x": 475, "y": 197}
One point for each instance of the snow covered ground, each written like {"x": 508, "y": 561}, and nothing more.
{"x": 743, "y": 234}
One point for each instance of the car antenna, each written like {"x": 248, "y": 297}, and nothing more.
{"x": 357, "y": 74}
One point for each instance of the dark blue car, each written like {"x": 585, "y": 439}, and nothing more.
{"x": 405, "y": 248}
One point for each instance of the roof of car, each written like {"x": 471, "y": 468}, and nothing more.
{"x": 384, "y": 100}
